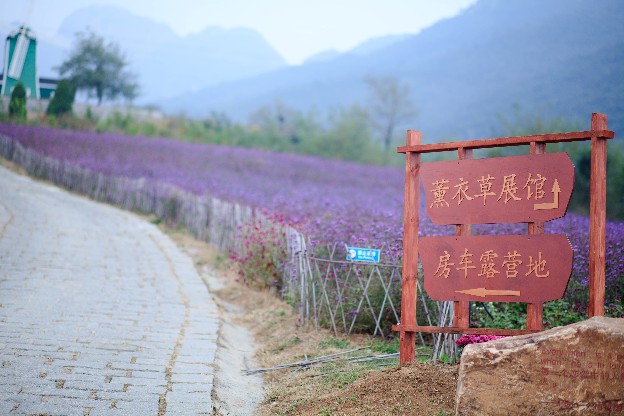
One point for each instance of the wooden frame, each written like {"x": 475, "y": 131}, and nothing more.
{"x": 597, "y": 240}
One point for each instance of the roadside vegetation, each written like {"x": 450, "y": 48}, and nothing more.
{"x": 330, "y": 202}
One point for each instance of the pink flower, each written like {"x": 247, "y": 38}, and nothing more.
{"x": 475, "y": 339}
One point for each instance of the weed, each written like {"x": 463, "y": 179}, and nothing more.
{"x": 342, "y": 374}
{"x": 288, "y": 343}
{"x": 219, "y": 262}
{"x": 385, "y": 346}
{"x": 272, "y": 397}
{"x": 292, "y": 408}
{"x": 334, "y": 343}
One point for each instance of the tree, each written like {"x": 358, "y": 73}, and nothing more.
{"x": 17, "y": 105}
{"x": 390, "y": 105}
{"x": 283, "y": 128}
{"x": 348, "y": 136}
{"x": 63, "y": 99}
{"x": 99, "y": 69}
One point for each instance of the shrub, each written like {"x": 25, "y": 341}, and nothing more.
{"x": 17, "y": 105}
{"x": 262, "y": 255}
{"x": 63, "y": 99}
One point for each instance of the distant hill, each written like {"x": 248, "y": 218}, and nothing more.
{"x": 557, "y": 58}
{"x": 166, "y": 63}
{"x": 365, "y": 48}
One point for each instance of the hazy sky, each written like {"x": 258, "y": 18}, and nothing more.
{"x": 296, "y": 28}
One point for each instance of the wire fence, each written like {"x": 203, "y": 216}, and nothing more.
{"x": 348, "y": 296}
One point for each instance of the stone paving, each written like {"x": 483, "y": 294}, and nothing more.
{"x": 100, "y": 313}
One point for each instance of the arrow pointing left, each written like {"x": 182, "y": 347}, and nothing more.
{"x": 483, "y": 292}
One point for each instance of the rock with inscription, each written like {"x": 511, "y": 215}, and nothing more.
{"x": 576, "y": 369}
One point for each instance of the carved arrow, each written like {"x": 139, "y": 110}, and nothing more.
{"x": 483, "y": 292}
{"x": 550, "y": 205}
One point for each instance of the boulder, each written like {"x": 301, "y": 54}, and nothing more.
{"x": 576, "y": 369}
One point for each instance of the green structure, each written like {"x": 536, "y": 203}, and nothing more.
{"x": 20, "y": 64}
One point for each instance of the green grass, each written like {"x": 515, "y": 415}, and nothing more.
{"x": 339, "y": 343}
{"x": 385, "y": 346}
{"x": 288, "y": 343}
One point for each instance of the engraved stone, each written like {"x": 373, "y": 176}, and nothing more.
{"x": 576, "y": 369}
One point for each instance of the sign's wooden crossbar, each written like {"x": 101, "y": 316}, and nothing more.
{"x": 577, "y": 136}
{"x": 597, "y": 240}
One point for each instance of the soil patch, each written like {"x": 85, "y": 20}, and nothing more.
{"x": 420, "y": 389}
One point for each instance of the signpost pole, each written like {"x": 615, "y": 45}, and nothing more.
{"x": 597, "y": 217}
{"x": 410, "y": 249}
{"x": 461, "y": 309}
{"x": 535, "y": 311}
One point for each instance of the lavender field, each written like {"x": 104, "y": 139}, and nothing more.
{"x": 328, "y": 201}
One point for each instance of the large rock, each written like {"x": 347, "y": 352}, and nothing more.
{"x": 572, "y": 370}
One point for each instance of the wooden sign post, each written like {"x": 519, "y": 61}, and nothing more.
{"x": 533, "y": 189}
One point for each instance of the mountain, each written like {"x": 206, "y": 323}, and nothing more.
{"x": 365, "y": 48}
{"x": 372, "y": 45}
{"x": 323, "y": 56}
{"x": 166, "y": 64}
{"x": 555, "y": 58}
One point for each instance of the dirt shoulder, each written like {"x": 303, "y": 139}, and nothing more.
{"x": 267, "y": 332}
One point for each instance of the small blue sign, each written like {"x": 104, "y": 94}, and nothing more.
{"x": 369, "y": 255}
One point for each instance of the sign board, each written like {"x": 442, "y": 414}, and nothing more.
{"x": 532, "y": 188}
{"x": 504, "y": 268}
{"x": 368, "y": 255}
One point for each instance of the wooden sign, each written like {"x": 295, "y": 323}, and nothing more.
{"x": 532, "y": 188}
{"x": 505, "y": 268}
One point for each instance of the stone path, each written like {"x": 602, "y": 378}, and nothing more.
{"x": 100, "y": 313}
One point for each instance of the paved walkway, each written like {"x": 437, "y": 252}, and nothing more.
{"x": 100, "y": 313}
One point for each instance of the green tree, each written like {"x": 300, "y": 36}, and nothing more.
{"x": 348, "y": 136}
{"x": 17, "y": 105}
{"x": 282, "y": 128}
{"x": 63, "y": 99}
{"x": 99, "y": 69}
{"x": 390, "y": 104}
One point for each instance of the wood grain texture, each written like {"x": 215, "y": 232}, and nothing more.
{"x": 496, "y": 268}
{"x": 410, "y": 248}
{"x": 509, "y": 141}
{"x": 530, "y": 188}
{"x": 461, "y": 309}
{"x": 597, "y": 217}
{"x": 457, "y": 330}
{"x": 535, "y": 311}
